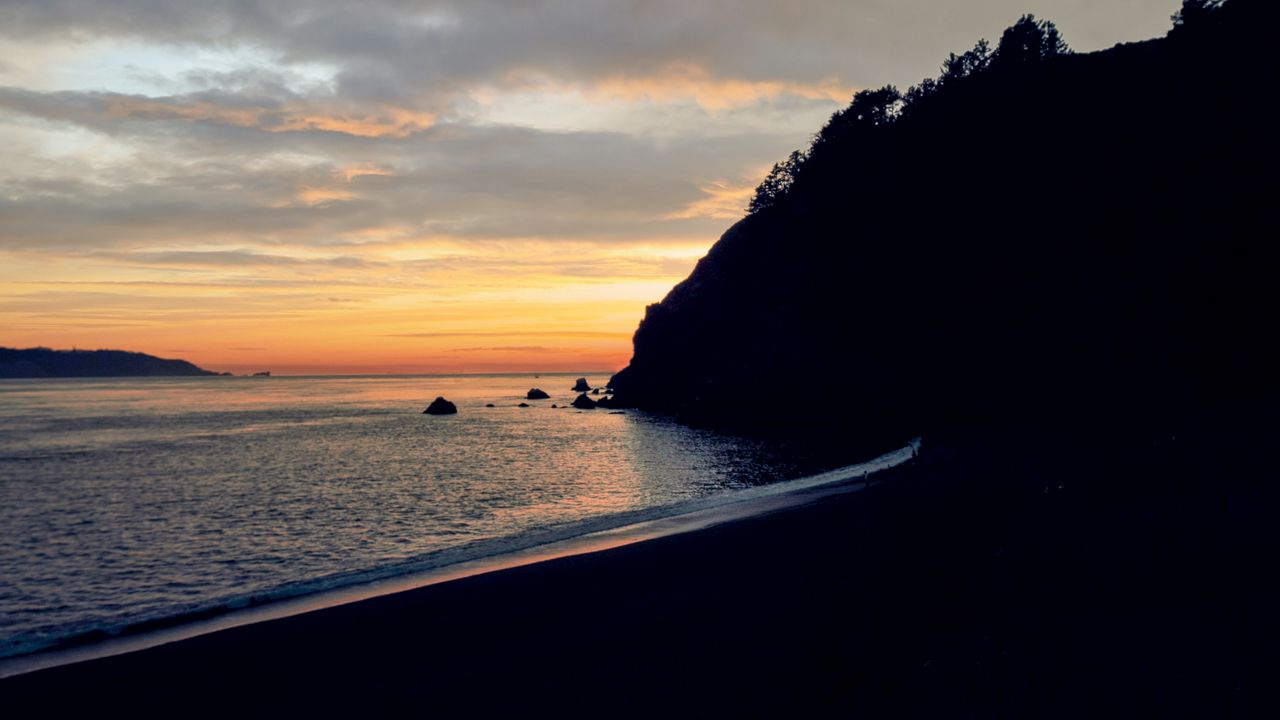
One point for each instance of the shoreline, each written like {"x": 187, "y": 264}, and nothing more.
{"x": 1019, "y": 575}
{"x": 586, "y": 537}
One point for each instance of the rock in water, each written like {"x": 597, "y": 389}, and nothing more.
{"x": 440, "y": 406}
{"x": 536, "y": 394}
{"x": 581, "y": 386}
{"x": 582, "y": 402}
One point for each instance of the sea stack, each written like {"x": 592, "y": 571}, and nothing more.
{"x": 582, "y": 402}
{"x": 536, "y": 394}
{"x": 440, "y": 406}
{"x": 581, "y": 386}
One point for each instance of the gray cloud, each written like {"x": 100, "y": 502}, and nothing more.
{"x": 257, "y": 157}
{"x": 477, "y": 182}
{"x": 233, "y": 258}
{"x": 107, "y": 307}
{"x": 448, "y": 43}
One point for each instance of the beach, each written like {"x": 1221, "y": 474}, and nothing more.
{"x": 639, "y": 360}
{"x": 955, "y": 586}
{"x": 131, "y": 502}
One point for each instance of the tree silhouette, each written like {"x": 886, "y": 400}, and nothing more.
{"x": 1029, "y": 41}
{"x": 917, "y": 93}
{"x": 958, "y": 67}
{"x": 1028, "y": 210}
{"x": 870, "y": 108}
{"x": 778, "y": 183}
{"x": 875, "y": 107}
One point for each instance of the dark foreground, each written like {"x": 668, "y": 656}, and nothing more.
{"x": 1019, "y": 578}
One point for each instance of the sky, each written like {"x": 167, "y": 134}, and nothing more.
{"x": 419, "y": 186}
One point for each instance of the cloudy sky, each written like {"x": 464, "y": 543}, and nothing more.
{"x": 400, "y": 185}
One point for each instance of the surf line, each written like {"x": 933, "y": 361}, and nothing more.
{"x": 630, "y": 528}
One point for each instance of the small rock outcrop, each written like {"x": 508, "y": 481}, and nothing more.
{"x": 523, "y": 405}
{"x": 440, "y": 406}
{"x": 582, "y": 402}
{"x": 490, "y": 405}
{"x": 536, "y": 394}
{"x": 581, "y": 386}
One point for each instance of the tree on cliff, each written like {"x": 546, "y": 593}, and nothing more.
{"x": 1027, "y": 43}
{"x": 1013, "y": 235}
{"x": 778, "y": 182}
{"x": 958, "y": 67}
{"x": 870, "y": 108}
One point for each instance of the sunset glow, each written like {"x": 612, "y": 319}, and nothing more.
{"x": 436, "y": 188}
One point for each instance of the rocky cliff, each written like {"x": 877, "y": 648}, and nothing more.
{"x": 1035, "y": 235}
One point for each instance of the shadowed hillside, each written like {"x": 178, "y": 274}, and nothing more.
{"x": 43, "y": 362}
{"x": 1035, "y": 235}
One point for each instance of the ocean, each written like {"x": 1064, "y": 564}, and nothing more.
{"x": 127, "y": 502}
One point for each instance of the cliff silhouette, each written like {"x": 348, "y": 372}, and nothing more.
{"x": 1036, "y": 235}
{"x": 43, "y": 362}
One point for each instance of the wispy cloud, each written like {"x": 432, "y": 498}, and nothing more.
{"x": 230, "y": 258}
{"x": 514, "y": 332}
{"x": 520, "y": 349}
{"x": 721, "y": 199}
{"x": 387, "y": 177}
{"x": 116, "y": 111}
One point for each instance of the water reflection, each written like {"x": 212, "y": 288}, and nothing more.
{"x": 123, "y": 500}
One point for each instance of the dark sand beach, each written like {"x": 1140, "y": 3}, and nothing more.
{"x": 980, "y": 580}
{"x": 1052, "y": 266}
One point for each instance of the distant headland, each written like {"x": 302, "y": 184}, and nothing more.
{"x": 43, "y": 362}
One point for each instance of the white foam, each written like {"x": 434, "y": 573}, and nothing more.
{"x": 577, "y": 538}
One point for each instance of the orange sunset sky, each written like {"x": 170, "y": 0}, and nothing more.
{"x": 394, "y": 186}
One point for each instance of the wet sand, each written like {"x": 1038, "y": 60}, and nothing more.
{"x": 941, "y": 591}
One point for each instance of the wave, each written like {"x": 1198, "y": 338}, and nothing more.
{"x": 20, "y": 655}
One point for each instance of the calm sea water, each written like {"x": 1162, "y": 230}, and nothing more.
{"x": 124, "y": 501}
